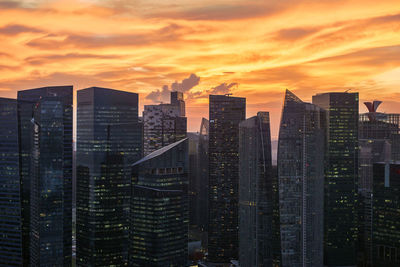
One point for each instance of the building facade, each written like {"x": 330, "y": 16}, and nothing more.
{"x": 202, "y": 175}
{"x": 301, "y": 182}
{"x": 159, "y": 208}
{"x": 226, "y": 113}
{"x": 109, "y": 140}
{"x": 164, "y": 124}
{"x": 341, "y": 178}
{"x": 255, "y": 192}
{"x": 46, "y": 135}
{"x": 10, "y": 187}
{"x": 386, "y": 215}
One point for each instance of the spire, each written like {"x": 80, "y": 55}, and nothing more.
{"x": 289, "y": 96}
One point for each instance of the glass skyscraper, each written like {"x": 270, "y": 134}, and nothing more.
{"x": 159, "y": 208}
{"x": 341, "y": 178}
{"x": 45, "y": 117}
{"x": 226, "y": 112}
{"x": 109, "y": 141}
{"x": 386, "y": 215}
{"x": 255, "y": 192}
{"x": 301, "y": 182}
{"x": 10, "y": 188}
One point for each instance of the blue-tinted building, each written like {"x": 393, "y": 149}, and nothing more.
{"x": 10, "y": 188}
{"x": 301, "y": 182}
{"x": 159, "y": 208}
{"x": 45, "y": 118}
{"x": 109, "y": 140}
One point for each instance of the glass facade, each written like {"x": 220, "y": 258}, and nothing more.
{"x": 341, "y": 178}
{"x": 159, "y": 208}
{"x": 386, "y": 215}
{"x": 301, "y": 182}
{"x": 46, "y": 136}
{"x": 255, "y": 192}
{"x": 10, "y": 189}
{"x": 109, "y": 140}
{"x": 202, "y": 174}
{"x": 226, "y": 113}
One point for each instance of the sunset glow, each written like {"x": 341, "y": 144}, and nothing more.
{"x": 249, "y": 48}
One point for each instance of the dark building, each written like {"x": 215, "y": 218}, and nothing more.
{"x": 108, "y": 141}
{"x": 193, "y": 191}
{"x": 45, "y": 118}
{"x": 10, "y": 188}
{"x": 341, "y": 178}
{"x": 276, "y": 224}
{"x": 386, "y": 215}
{"x": 301, "y": 182}
{"x": 202, "y": 175}
{"x": 164, "y": 124}
{"x": 255, "y": 192}
{"x": 159, "y": 208}
{"x": 226, "y": 113}
{"x": 379, "y": 142}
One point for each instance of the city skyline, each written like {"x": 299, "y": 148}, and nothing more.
{"x": 242, "y": 47}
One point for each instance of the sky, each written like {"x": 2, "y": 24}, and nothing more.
{"x": 250, "y": 48}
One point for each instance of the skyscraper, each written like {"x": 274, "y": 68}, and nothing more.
{"x": 10, "y": 188}
{"x": 226, "y": 113}
{"x": 164, "y": 124}
{"x": 202, "y": 174}
{"x": 301, "y": 182}
{"x": 341, "y": 177}
{"x": 255, "y": 192}
{"x": 386, "y": 215}
{"x": 108, "y": 142}
{"x": 159, "y": 208}
{"x": 46, "y": 172}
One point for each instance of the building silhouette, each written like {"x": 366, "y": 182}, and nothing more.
{"x": 109, "y": 140}
{"x": 341, "y": 178}
{"x": 45, "y": 118}
{"x": 202, "y": 175}
{"x": 164, "y": 124}
{"x": 10, "y": 189}
{"x": 255, "y": 192}
{"x": 386, "y": 216}
{"x": 301, "y": 182}
{"x": 159, "y": 208}
{"x": 226, "y": 113}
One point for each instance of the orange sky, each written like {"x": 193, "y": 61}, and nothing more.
{"x": 250, "y": 48}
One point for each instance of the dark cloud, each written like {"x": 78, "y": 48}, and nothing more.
{"x": 9, "y": 4}
{"x": 14, "y": 29}
{"x": 223, "y": 88}
{"x": 184, "y": 86}
{"x": 293, "y": 34}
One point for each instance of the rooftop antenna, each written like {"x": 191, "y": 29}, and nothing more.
{"x": 229, "y": 94}
{"x": 347, "y": 90}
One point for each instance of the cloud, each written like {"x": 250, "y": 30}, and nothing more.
{"x": 223, "y": 88}
{"x": 159, "y": 95}
{"x": 43, "y": 59}
{"x": 186, "y": 84}
{"x": 14, "y": 29}
{"x": 293, "y": 34}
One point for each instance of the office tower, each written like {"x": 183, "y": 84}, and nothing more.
{"x": 159, "y": 208}
{"x": 164, "y": 124}
{"x": 45, "y": 117}
{"x": 276, "y": 224}
{"x": 226, "y": 113}
{"x": 379, "y": 142}
{"x": 193, "y": 190}
{"x": 108, "y": 143}
{"x": 202, "y": 175}
{"x": 10, "y": 189}
{"x": 386, "y": 215}
{"x": 341, "y": 177}
{"x": 301, "y": 182}
{"x": 255, "y": 192}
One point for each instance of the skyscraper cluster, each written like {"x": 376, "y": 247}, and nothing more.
{"x": 150, "y": 194}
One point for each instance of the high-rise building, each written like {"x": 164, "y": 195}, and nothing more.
{"x": 226, "y": 113}
{"x": 386, "y": 215}
{"x": 45, "y": 117}
{"x": 202, "y": 175}
{"x": 255, "y": 192}
{"x": 164, "y": 124}
{"x": 379, "y": 136}
{"x": 301, "y": 182}
{"x": 159, "y": 208}
{"x": 341, "y": 178}
{"x": 193, "y": 191}
{"x": 276, "y": 224}
{"x": 109, "y": 141}
{"x": 10, "y": 187}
